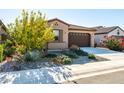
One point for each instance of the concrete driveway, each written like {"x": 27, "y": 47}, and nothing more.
{"x": 105, "y": 53}
{"x": 97, "y": 51}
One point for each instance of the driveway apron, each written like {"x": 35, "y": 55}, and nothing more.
{"x": 105, "y": 53}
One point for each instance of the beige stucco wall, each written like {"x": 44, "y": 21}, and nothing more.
{"x": 99, "y": 38}
{"x": 64, "y": 28}
{"x": 57, "y": 45}
{"x": 92, "y": 39}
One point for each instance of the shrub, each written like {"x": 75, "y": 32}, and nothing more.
{"x": 1, "y": 52}
{"x": 91, "y": 56}
{"x": 32, "y": 56}
{"x": 62, "y": 59}
{"x": 28, "y": 57}
{"x": 9, "y": 51}
{"x": 122, "y": 43}
{"x": 51, "y": 55}
{"x": 20, "y": 49}
{"x": 80, "y": 52}
{"x": 113, "y": 43}
{"x": 70, "y": 54}
{"x": 9, "y": 48}
{"x": 8, "y": 43}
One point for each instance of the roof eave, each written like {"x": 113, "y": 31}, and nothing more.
{"x": 50, "y": 20}
{"x": 82, "y": 29}
{"x": 102, "y": 33}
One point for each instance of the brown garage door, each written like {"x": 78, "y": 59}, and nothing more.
{"x": 80, "y": 39}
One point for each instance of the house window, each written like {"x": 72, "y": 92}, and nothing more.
{"x": 57, "y": 35}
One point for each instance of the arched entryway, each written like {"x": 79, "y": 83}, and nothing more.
{"x": 79, "y": 39}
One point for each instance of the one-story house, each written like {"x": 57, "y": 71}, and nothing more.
{"x": 3, "y": 33}
{"x": 103, "y": 32}
{"x": 69, "y": 34}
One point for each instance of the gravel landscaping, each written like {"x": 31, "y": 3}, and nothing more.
{"x": 45, "y": 62}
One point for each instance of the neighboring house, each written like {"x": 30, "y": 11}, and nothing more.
{"x": 103, "y": 32}
{"x": 68, "y": 35}
{"x": 3, "y": 34}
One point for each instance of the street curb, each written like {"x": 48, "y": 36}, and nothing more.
{"x": 93, "y": 73}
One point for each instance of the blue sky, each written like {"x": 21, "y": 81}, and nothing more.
{"x": 83, "y": 17}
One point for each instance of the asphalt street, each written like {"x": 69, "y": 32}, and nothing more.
{"x": 109, "y": 78}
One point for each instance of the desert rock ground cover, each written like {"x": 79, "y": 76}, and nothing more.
{"x": 44, "y": 62}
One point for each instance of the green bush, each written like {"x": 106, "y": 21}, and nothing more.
{"x": 8, "y": 43}
{"x": 1, "y": 52}
{"x": 80, "y": 52}
{"x": 62, "y": 59}
{"x": 113, "y": 43}
{"x": 9, "y": 51}
{"x": 70, "y": 54}
{"x": 32, "y": 56}
{"x": 91, "y": 56}
{"x": 28, "y": 57}
{"x": 51, "y": 55}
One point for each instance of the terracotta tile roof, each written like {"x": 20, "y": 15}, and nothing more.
{"x": 105, "y": 30}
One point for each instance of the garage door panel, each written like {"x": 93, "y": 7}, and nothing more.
{"x": 80, "y": 39}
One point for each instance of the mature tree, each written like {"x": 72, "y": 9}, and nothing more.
{"x": 30, "y": 31}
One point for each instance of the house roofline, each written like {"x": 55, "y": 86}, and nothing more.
{"x": 86, "y": 28}
{"x": 110, "y": 30}
{"x": 58, "y": 20}
{"x": 82, "y": 29}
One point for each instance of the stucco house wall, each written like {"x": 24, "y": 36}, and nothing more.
{"x": 64, "y": 28}
{"x": 99, "y": 38}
